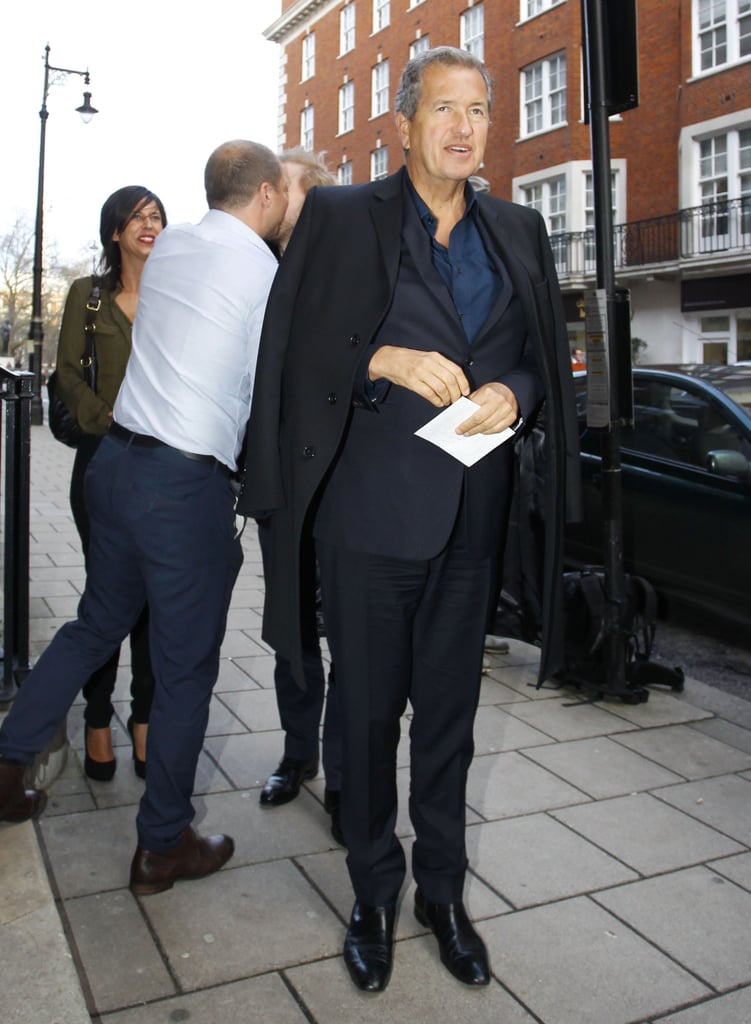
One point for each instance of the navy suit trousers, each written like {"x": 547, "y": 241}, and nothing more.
{"x": 405, "y": 631}
{"x": 162, "y": 531}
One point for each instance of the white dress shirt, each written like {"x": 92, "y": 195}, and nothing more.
{"x": 201, "y": 302}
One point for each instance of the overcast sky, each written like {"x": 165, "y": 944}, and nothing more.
{"x": 170, "y": 81}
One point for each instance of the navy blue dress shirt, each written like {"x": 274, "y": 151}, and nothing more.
{"x": 472, "y": 280}
{"x": 467, "y": 271}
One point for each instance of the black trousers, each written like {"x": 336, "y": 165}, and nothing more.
{"x": 300, "y": 710}
{"x": 406, "y": 631}
{"x": 99, "y": 688}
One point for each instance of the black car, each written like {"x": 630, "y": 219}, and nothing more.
{"x": 686, "y": 477}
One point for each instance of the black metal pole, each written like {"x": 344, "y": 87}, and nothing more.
{"x": 16, "y": 395}
{"x": 615, "y": 662}
{"x": 36, "y": 328}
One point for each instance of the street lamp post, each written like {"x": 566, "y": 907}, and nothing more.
{"x": 36, "y": 328}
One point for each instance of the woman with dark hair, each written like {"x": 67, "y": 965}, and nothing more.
{"x": 131, "y": 219}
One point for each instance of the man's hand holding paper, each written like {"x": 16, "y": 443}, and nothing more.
{"x": 442, "y": 431}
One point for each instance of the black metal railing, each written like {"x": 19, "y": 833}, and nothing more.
{"x": 15, "y": 429}
{"x": 718, "y": 228}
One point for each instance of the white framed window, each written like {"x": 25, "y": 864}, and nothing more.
{"x": 723, "y": 338}
{"x": 744, "y": 181}
{"x": 381, "y": 14}
{"x": 472, "y": 31}
{"x": 346, "y": 107}
{"x": 347, "y": 28}
{"x": 418, "y": 45}
{"x": 564, "y": 196}
{"x": 713, "y": 169}
{"x": 714, "y": 338}
{"x": 531, "y": 8}
{"x": 548, "y": 197}
{"x": 722, "y": 33}
{"x": 308, "y": 56}
{"x": 532, "y": 196}
{"x": 543, "y": 93}
{"x": 380, "y": 89}
{"x": 713, "y": 186}
{"x": 590, "y": 246}
{"x": 344, "y": 173}
{"x": 379, "y": 163}
{"x": 724, "y": 190}
{"x": 307, "y": 119}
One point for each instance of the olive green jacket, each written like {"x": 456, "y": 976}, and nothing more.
{"x": 112, "y": 341}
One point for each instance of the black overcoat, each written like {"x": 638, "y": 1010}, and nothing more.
{"x": 331, "y": 294}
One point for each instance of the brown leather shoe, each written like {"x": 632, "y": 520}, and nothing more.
{"x": 16, "y": 803}
{"x": 194, "y": 857}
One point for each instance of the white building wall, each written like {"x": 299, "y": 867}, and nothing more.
{"x": 657, "y": 319}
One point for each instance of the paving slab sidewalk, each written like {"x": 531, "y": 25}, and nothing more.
{"x": 610, "y": 853}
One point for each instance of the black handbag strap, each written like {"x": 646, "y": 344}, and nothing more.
{"x": 93, "y": 306}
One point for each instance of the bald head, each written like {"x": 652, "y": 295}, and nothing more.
{"x": 245, "y": 179}
{"x": 236, "y": 170}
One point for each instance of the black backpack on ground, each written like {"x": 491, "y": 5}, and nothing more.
{"x": 586, "y": 652}
{"x": 584, "y": 601}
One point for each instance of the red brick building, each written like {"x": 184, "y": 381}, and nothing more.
{"x": 681, "y": 160}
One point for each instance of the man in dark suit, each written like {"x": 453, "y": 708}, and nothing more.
{"x": 300, "y": 708}
{"x": 394, "y": 299}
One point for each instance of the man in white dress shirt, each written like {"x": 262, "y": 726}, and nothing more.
{"x": 161, "y": 505}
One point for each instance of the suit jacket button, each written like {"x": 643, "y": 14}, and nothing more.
{"x": 332, "y": 398}
{"x": 308, "y": 451}
{"x": 354, "y": 339}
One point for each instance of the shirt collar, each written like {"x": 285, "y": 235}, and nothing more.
{"x": 228, "y": 223}
{"x": 472, "y": 207}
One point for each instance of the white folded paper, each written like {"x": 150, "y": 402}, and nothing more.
{"x": 441, "y": 431}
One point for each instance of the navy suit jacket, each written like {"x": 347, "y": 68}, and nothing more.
{"x": 392, "y": 493}
{"x": 333, "y": 291}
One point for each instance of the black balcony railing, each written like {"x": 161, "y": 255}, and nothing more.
{"x": 719, "y": 228}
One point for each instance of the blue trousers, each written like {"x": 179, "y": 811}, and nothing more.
{"x": 162, "y": 531}
{"x": 100, "y": 687}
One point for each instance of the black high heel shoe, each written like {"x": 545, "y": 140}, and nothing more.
{"x": 138, "y": 765}
{"x": 100, "y": 771}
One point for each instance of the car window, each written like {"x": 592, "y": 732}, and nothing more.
{"x": 589, "y": 440}
{"x": 740, "y": 393}
{"x": 679, "y": 424}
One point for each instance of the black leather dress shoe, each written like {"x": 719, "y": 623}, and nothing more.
{"x": 369, "y": 945}
{"x": 16, "y": 802}
{"x": 284, "y": 784}
{"x": 195, "y": 856}
{"x": 332, "y": 806}
{"x": 462, "y": 950}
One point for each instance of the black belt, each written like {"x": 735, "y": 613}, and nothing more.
{"x": 146, "y": 441}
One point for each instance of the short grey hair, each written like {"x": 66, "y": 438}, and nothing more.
{"x": 315, "y": 170}
{"x": 410, "y": 84}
